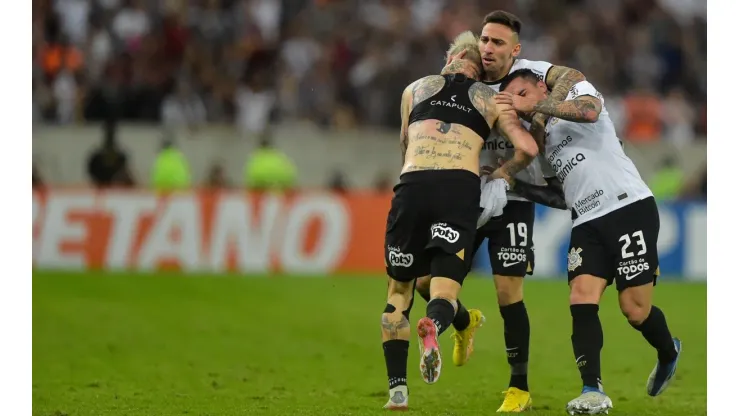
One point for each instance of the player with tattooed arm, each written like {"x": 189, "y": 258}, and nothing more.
{"x": 510, "y": 246}
{"x": 614, "y": 237}
{"x": 433, "y": 217}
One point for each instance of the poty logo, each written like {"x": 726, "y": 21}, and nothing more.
{"x": 441, "y": 230}
{"x": 400, "y": 259}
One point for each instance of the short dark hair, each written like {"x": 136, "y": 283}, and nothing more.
{"x": 527, "y": 74}
{"x": 504, "y": 18}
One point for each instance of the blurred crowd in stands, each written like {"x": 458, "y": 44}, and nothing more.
{"x": 342, "y": 64}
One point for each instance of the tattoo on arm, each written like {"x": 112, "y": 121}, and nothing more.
{"x": 481, "y": 95}
{"x": 404, "y": 129}
{"x": 583, "y": 109}
{"x": 510, "y": 126}
{"x": 425, "y": 88}
{"x": 394, "y": 327}
{"x": 560, "y": 79}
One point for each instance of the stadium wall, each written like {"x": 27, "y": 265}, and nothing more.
{"x": 364, "y": 156}
{"x": 301, "y": 233}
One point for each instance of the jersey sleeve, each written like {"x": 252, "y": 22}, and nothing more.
{"x": 583, "y": 88}
{"x": 538, "y": 67}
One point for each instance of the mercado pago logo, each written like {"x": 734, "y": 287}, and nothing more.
{"x": 191, "y": 232}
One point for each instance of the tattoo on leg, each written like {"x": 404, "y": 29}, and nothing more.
{"x": 393, "y": 327}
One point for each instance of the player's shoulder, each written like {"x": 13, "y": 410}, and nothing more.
{"x": 426, "y": 79}
{"x": 481, "y": 90}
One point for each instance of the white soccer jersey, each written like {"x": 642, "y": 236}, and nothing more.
{"x": 588, "y": 159}
{"x": 497, "y": 147}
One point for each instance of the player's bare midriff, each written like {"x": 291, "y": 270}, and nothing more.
{"x": 436, "y": 145}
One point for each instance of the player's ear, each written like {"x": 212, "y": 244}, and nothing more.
{"x": 517, "y": 50}
{"x": 542, "y": 86}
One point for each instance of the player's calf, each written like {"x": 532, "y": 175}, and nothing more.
{"x": 462, "y": 318}
{"x": 465, "y": 323}
{"x": 396, "y": 331}
{"x": 510, "y": 293}
{"x": 588, "y": 336}
{"x": 636, "y": 304}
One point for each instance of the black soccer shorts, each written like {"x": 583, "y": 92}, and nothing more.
{"x": 431, "y": 225}
{"x": 621, "y": 245}
{"x": 510, "y": 247}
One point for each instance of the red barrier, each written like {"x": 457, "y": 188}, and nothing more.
{"x": 209, "y": 231}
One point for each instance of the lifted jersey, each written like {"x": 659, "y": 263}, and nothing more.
{"x": 588, "y": 159}
{"x": 497, "y": 147}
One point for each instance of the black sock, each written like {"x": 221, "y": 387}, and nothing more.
{"x": 587, "y": 339}
{"x": 656, "y": 332}
{"x": 396, "y": 355}
{"x": 516, "y": 336}
{"x": 462, "y": 317}
{"x": 441, "y": 312}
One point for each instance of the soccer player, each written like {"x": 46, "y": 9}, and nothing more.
{"x": 614, "y": 237}
{"x": 433, "y": 216}
{"x": 510, "y": 245}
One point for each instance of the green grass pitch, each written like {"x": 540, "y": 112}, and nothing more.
{"x": 157, "y": 345}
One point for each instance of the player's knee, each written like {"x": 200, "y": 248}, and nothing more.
{"x": 395, "y": 323}
{"x": 509, "y": 290}
{"x": 400, "y": 294}
{"x": 444, "y": 288}
{"x": 635, "y": 313}
{"x": 586, "y": 289}
{"x": 635, "y": 304}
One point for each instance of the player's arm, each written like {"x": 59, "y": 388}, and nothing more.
{"x": 560, "y": 80}
{"x": 525, "y": 147}
{"x": 551, "y": 195}
{"x": 504, "y": 118}
{"x": 415, "y": 93}
{"x": 543, "y": 195}
{"x": 405, "y": 113}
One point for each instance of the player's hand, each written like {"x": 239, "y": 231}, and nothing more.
{"x": 487, "y": 171}
{"x": 504, "y": 98}
{"x": 501, "y": 174}
{"x": 520, "y": 104}
{"x": 458, "y": 55}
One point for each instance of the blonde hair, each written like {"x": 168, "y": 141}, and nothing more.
{"x": 466, "y": 41}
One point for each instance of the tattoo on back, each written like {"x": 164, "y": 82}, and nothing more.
{"x": 425, "y": 88}
{"x": 443, "y": 127}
